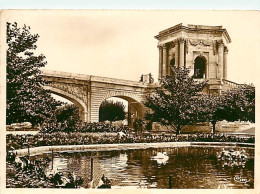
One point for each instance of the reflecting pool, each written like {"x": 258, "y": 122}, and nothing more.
{"x": 185, "y": 167}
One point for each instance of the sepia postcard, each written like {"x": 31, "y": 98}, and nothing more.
{"x": 129, "y": 101}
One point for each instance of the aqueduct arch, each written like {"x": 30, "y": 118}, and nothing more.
{"x": 135, "y": 105}
{"x": 79, "y": 103}
{"x": 88, "y": 92}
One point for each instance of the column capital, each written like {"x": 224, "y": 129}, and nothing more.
{"x": 220, "y": 43}
{"x": 171, "y": 44}
{"x": 164, "y": 46}
{"x": 159, "y": 46}
{"x": 181, "y": 40}
{"x": 175, "y": 41}
{"x": 226, "y": 50}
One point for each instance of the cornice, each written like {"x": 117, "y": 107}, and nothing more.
{"x": 194, "y": 29}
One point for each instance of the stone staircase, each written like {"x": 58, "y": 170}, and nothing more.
{"x": 227, "y": 85}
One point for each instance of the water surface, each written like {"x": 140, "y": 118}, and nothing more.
{"x": 189, "y": 167}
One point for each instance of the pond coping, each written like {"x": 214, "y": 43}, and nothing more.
{"x": 123, "y": 146}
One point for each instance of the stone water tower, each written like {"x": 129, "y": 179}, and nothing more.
{"x": 203, "y": 49}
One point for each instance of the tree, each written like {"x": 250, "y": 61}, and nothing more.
{"x": 232, "y": 105}
{"x": 211, "y": 109}
{"x": 177, "y": 102}
{"x": 139, "y": 125}
{"x": 239, "y": 104}
{"x": 69, "y": 115}
{"x": 111, "y": 111}
{"x": 26, "y": 98}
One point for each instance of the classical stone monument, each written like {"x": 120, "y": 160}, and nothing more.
{"x": 201, "y": 48}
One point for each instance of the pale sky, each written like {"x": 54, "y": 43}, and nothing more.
{"x": 121, "y": 44}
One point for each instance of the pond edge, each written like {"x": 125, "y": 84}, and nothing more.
{"x": 124, "y": 146}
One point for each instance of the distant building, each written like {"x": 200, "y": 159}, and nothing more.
{"x": 203, "y": 49}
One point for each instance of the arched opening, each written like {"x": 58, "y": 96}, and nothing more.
{"x": 133, "y": 109}
{"x": 69, "y": 103}
{"x": 113, "y": 109}
{"x": 62, "y": 99}
{"x": 66, "y": 97}
{"x": 68, "y": 112}
{"x": 200, "y": 67}
{"x": 172, "y": 63}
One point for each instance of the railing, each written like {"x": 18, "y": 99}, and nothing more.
{"x": 230, "y": 83}
{"x": 236, "y": 85}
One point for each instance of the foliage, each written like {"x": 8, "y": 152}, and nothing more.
{"x": 239, "y": 104}
{"x": 232, "y": 105}
{"x": 111, "y": 111}
{"x": 177, "y": 102}
{"x": 211, "y": 109}
{"x": 139, "y": 125}
{"x": 26, "y": 99}
{"x": 67, "y": 115}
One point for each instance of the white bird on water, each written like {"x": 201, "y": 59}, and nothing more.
{"x": 161, "y": 158}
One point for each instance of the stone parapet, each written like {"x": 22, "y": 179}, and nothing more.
{"x": 60, "y": 74}
{"x": 123, "y": 146}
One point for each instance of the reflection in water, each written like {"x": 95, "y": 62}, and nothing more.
{"x": 189, "y": 167}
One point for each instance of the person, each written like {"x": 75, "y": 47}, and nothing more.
{"x": 141, "y": 78}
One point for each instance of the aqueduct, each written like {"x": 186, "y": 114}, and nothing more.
{"x": 203, "y": 49}
{"x": 88, "y": 92}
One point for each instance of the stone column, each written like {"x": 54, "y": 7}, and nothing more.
{"x": 160, "y": 61}
{"x": 181, "y": 52}
{"x": 89, "y": 102}
{"x": 220, "y": 59}
{"x": 85, "y": 116}
{"x": 169, "y": 66}
{"x": 207, "y": 70}
{"x": 176, "y": 54}
{"x": 225, "y": 63}
{"x": 129, "y": 114}
{"x": 164, "y": 69}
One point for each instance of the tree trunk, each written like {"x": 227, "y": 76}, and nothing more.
{"x": 178, "y": 130}
{"x": 213, "y": 127}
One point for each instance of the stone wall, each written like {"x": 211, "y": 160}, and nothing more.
{"x": 221, "y": 127}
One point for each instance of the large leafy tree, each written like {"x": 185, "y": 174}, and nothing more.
{"x": 26, "y": 99}
{"x": 178, "y": 101}
{"x": 239, "y": 104}
{"x": 68, "y": 116}
{"x": 212, "y": 109}
{"x": 111, "y": 111}
{"x": 232, "y": 105}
